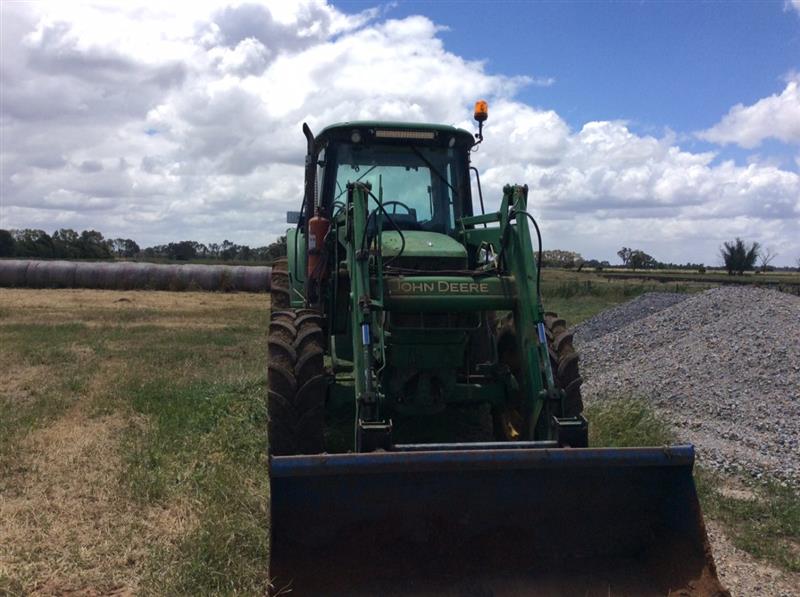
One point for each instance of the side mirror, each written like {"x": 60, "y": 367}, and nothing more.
{"x": 292, "y": 217}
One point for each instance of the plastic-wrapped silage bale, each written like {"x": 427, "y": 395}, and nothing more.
{"x": 208, "y": 277}
{"x": 14, "y": 272}
{"x": 131, "y": 275}
{"x": 52, "y": 274}
{"x": 255, "y": 279}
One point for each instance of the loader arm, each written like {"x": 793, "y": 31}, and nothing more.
{"x": 372, "y": 294}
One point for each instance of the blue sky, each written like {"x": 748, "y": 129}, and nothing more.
{"x": 657, "y": 65}
{"x": 676, "y": 64}
{"x": 671, "y": 127}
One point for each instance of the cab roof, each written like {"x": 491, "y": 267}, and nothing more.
{"x": 342, "y": 127}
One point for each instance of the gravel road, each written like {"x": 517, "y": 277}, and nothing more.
{"x": 723, "y": 366}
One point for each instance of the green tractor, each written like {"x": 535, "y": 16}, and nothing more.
{"x": 426, "y": 430}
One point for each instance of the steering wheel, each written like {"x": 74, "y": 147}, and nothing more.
{"x": 395, "y": 204}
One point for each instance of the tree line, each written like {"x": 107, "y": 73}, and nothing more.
{"x": 737, "y": 256}
{"x": 66, "y": 243}
{"x": 631, "y": 258}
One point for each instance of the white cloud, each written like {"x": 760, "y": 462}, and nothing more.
{"x": 790, "y": 4}
{"x": 543, "y": 81}
{"x": 773, "y": 117}
{"x": 169, "y": 123}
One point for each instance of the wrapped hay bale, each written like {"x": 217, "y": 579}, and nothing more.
{"x": 205, "y": 277}
{"x": 14, "y": 272}
{"x": 134, "y": 276}
{"x": 52, "y": 274}
{"x": 254, "y": 279}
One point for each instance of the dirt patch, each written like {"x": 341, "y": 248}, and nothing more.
{"x": 737, "y": 493}
{"x": 743, "y": 575}
{"x": 20, "y": 383}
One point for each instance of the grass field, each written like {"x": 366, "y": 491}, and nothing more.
{"x": 132, "y": 442}
{"x": 579, "y": 295}
{"x": 132, "y": 437}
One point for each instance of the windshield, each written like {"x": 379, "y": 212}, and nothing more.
{"x": 417, "y": 184}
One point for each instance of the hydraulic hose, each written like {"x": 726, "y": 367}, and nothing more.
{"x": 539, "y": 254}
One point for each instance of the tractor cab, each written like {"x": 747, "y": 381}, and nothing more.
{"x": 419, "y": 172}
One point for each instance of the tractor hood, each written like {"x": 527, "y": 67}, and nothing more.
{"x": 421, "y": 244}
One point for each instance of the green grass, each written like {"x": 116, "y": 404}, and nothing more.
{"x": 58, "y": 378}
{"x": 202, "y": 393}
{"x": 17, "y": 420}
{"x": 207, "y": 443}
{"x": 624, "y": 423}
{"x": 577, "y": 296}
{"x": 579, "y": 308}
{"x": 763, "y": 520}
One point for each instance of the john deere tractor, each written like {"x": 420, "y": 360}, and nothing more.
{"x": 402, "y": 302}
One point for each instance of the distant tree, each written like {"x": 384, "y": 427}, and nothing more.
{"x": 124, "y": 247}
{"x": 244, "y": 253}
{"x": 559, "y": 258}
{"x": 66, "y": 243}
{"x": 641, "y": 260}
{"x": 594, "y": 263}
{"x": 625, "y": 254}
{"x": 185, "y": 250}
{"x": 7, "y": 244}
{"x": 276, "y": 249}
{"x": 765, "y": 257}
{"x": 33, "y": 243}
{"x": 738, "y": 256}
{"x": 228, "y": 250}
{"x": 93, "y": 245}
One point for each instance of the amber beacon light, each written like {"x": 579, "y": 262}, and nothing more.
{"x": 481, "y": 110}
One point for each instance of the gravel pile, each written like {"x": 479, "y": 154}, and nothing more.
{"x": 613, "y": 319}
{"x": 723, "y": 366}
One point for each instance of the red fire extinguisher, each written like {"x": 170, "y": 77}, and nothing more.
{"x": 318, "y": 227}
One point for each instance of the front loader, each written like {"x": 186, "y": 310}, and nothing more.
{"x": 426, "y": 428}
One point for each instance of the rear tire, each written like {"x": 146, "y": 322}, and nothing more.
{"x": 296, "y": 382}
{"x": 508, "y": 424}
{"x": 564, "y": 362}
{"x": 279, "y": 289}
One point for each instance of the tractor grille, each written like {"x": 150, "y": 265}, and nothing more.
{"x": 429, "y": 264}
{"x": 468, "y": 320}
{"x": 432, "y": 321}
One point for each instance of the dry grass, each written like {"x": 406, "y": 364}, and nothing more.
{"x": 127, "y": 308}
{"x": 74, "y": 362}
{"x": 90, "y": 301}
{"x": 66, "y": 528}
